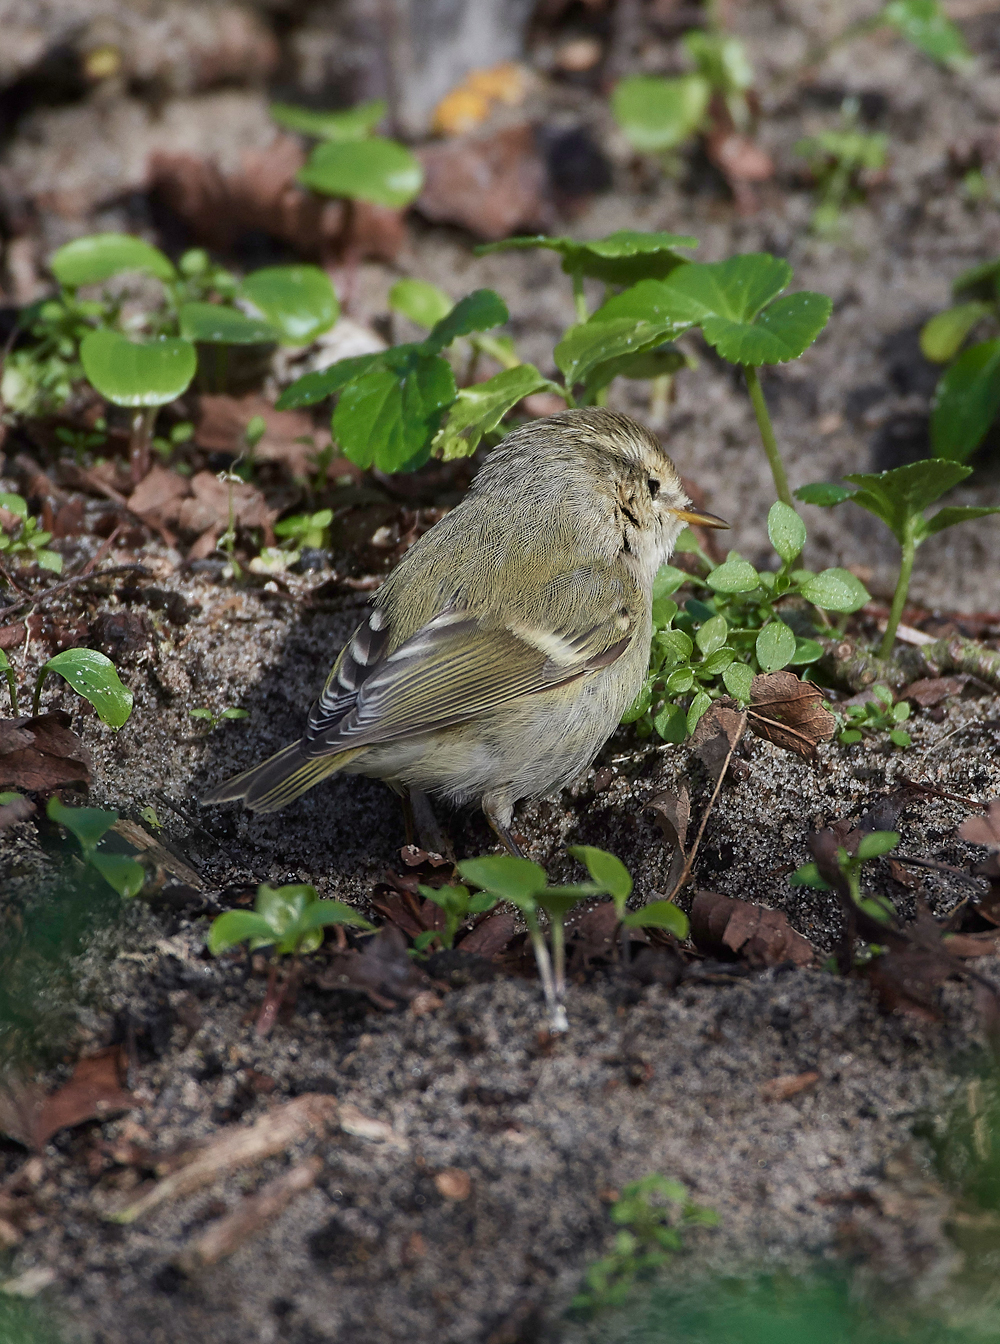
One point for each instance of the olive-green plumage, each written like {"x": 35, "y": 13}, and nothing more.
{"x": 504, "y": 648}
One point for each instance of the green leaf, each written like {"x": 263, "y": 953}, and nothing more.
{"x": 317, "y": 914}
{"x": 899, "y": 495}
{"x": 376, "y": 170}
{"x": 875, "y": 843}
{"x": 715, "y": 663}
{"x": 480, "y": 408}
{"x": 786, "y": 530}
{"x": 721, "y": 59}
{"x": 659, "y": 915}
{"x": 647, "y": 301}
{"x": 639, "y": 705}
{"x": 606, "y": 869}
{"x": 680, "y": 682}
{"x": 737, "y": 679}
{"x": 645, "y": 364}
{"x": 671, "y": 723}
{"x": 478, "y": 311}
{"x": 510, "y": 878}
{"x": 355, "y": 123}
{"x": 734, "y": 576}
{"x": 93, "y": 676}
{"x": 315, "y": 387}
{"x": 667, "y": 580}
{"x": 806, "y": 651}
{"x": 944, "y": 333}
{"x": 591, "y": 344}
{"x": 698, "y": 707}
{"x": 99, "y": 256}
{"x": 14, "y": 504}
{"x": 621, "y": 258}
{"x": 954, "y": 514}
{"x": 966, "y": 401}
{"x": 299, "y": 301}
{"x": 87, "y": 824}
{"x": 125, "y": 875}
{"x": 835, "y": 590}
{"x": 7, "y": 672}
{"x": 657, "y": 113}
{"x": 50, "y": 560}
{"x": 388, "y": 418}
{"x": 130, "y": 374}
{"x": 775, "y": 646}
{"x": 824, "y": 493}
{"x": 808, "y": 876}
{"x": 900, "y": 738}
{"x": 925, "y": 24}
{"x": 420, "y": 301}
{"x": 218, "y": 324}
{"x": 981, "y": 281}
{"x": 781, "y": 332}
{"x": 236, "y": 926}
{"x": 712, "y": 635}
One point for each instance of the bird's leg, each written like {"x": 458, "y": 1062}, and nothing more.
{"x": 502, "y": 830}
{"x": 432, "y": 837}
{"x": 408, "y": 821}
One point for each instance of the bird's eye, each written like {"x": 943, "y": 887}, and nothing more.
{"x": 654, "y": 488}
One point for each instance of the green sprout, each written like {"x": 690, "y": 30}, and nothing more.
{"x": 290, "y": 919}
{"x": 871, "y": 846}
{"x": 213, "y": 720}
{"x": 524, "y": 884}
{"x": 742, "y": 621}
{"x": 25, "y": 540}
{"x": 458, "y": 904}
{"x": 89, "y": 825}
{"x": 876, "y": 715}
{"x": 967, "y": 398}
{"x": 92, "y": 675}
{"x": 651, "y": 1213}
{"x": 839, "y": 161}
{"x": 900, "y": 498}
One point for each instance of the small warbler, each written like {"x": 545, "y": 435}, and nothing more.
{"x": 501, "y": 653}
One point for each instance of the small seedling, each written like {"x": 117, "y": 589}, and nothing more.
{"x": 876, "y": 715}
{"x": 7, "y": 672}
{"x": 458, "y": 904}
{"x": 213, "y": 720}
{"x": 651, "y": 1214}
{"x": 871, "y": 846}
{"x": 89, "y": 825}
{"x": 93, "y": 676}
{"x": 22, "y": 539}
{"x": 148, "y": 815}
{"x": 179, "y": 434}
{"x": 735, "y": 628}
{"x": 525, "y": 885}
{"x": 900, "y": 498}
{"x": 83, "y": 441}
{"x": 839, "y": 161}
{"x": 288, "y": 919}
{"x": 967, "y": 398}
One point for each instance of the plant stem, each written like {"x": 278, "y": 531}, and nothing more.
{"x": 558, "y": 935}
{"x": 557, "y": 1013}
{"x": 579, "y": 298}
{"x": 767, "y": 434}
{"x": 142, "y": 432}
{"x": 899, "y": 597}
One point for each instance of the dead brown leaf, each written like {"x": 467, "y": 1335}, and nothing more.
{"x": 727, "y": 928}
{"x": 382, "y": 970}
{"x": 972, "y": 944}
{"x": 789, "y": 713}
{"x": 491, "y": 936}
{"x": 788, "y": 1085}
{"x": 158, "y": 495}
{"x": 978, "y": 830}
{"x": 41, "y": 754}
{"x": 20, "y": 809}
{"x": 207, "y": 512}
{"x": 493, "y": 184}
{"x": 906, "y": 980}
{"x": 715, "y": 738}
{"x": 94, "y": 1092}
{"x": 930, "y": 691}
{"x": 223, "y": 420}
{"x": 12, "y": 635}
{"x": 672, "y": 812}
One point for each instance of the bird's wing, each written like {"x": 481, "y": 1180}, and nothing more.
{"x": 453, "y": 669}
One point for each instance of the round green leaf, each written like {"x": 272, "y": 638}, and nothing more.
{"x": 667, "y": 581}
{"x": 420, "y": 301}
{"x": 680, "y": 682}
{"x": 606, "y": 869}
{"x": 376, "y": 170}
{"x": 124, "y": 874}
{"x": 130, "y": 374}
{"x": 712, "y": 635}
{"x": 508, "y": 877}
{"x": 786, "y": 530}
{"x": 659, "y": 915}
{"x": 806, "y": 651}
{"x": 671, "y": 723}
{"x": 236, "y": 926}
{"x": 775, "y": 646}
{"x": 715, "y": 663}
{"x": 835, "y": 590}
{"x": 93, "y": 676}
{"x": 737, "y": 679}
{"x": 218, "y": 324}
{"x": 943, "y": 335}
{"x": 875, "y": 843}
{"x": 96, "y": 258}
{"x": 657, "y": 113}
{"x": 354, "y": 123}
{"x": 734, "y": 576}
{"x": 808, "y": 876}
{"x": 298, "y": 300}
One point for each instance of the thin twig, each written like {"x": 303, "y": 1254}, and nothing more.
{"x": 36, "y": 600}
{"x": 693, "y": 852}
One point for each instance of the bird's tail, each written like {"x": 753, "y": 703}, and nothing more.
{"x": 280, "y": 779}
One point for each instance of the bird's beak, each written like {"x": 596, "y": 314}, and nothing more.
{"x": 698, "y": 518}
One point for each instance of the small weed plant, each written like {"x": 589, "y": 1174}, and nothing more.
{"x": 841, "y": 162}
{"x": 651, "y": 1214}
{"x": 876, "y": 715}
{"x": 229, "y": 715}
{"x": 289, "y": 919}
{"x": 871, "y": 846}
{"x": 967, "y": 399}
{"x": 21, "y": 537}
{"x": 89, "y": 826}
